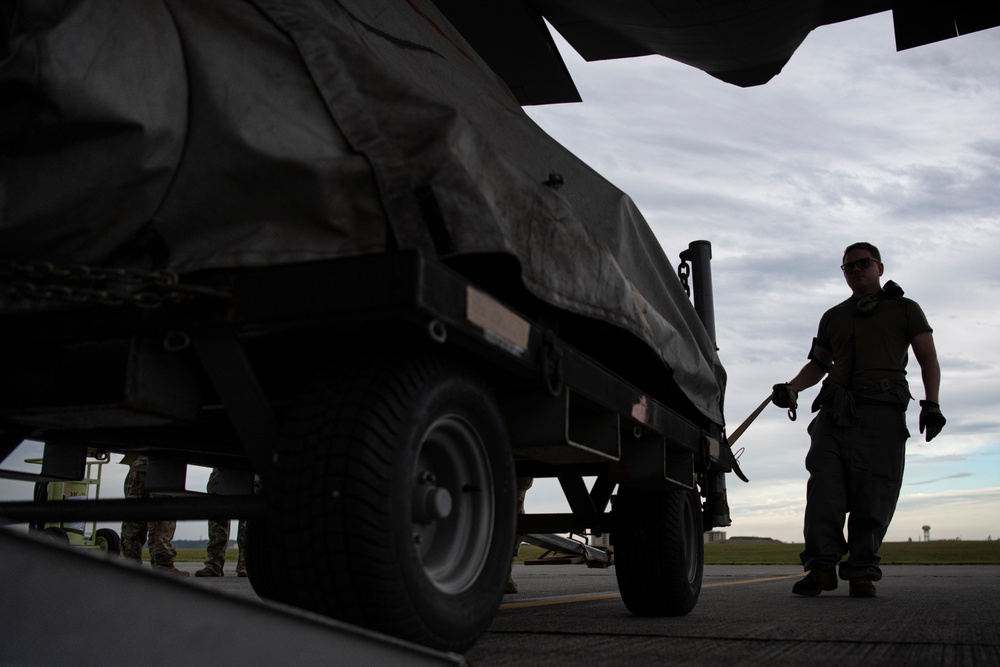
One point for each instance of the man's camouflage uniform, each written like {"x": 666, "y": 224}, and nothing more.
{"x": 158, "y": 533}
{"x": 218, "y": 537}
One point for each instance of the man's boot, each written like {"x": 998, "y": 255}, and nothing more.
{"x": 815, "y": 582}
{"x": 511, "y": 585}
{"x": 862, "y": 587}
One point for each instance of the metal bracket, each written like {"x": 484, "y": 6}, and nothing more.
{"x": 235, "y": 382}
{"x": 63, "y": 462}
{"x": 166, "y": 476}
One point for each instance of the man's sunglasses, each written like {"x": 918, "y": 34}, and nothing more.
{"x": 862, "y": 264}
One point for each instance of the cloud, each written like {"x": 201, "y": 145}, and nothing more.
{"x": 939, "y": 479}
{"x": 952, "y": 497}
{"x": 936, "y": 460}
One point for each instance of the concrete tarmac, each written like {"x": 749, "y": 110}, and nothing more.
{"x": 746, "y": 615}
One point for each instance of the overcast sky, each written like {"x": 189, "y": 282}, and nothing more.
{"x": 852, "y": 141}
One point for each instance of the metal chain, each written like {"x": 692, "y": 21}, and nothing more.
{"x": 82, "y": 273}
{"x": 683, "y": 272}
{"x": 34, "y": 281}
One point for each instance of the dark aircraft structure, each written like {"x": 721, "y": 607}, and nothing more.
{"x": 739, "y": 42}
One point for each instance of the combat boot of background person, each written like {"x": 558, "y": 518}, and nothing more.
{"x": 858, "y": 437}
{"x": 158, "y": 533}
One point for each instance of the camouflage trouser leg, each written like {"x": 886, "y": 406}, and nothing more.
{"x": 158, "y": 533}
{"x": 133, "y": 537}
{"x": 218, "y": 541}
{"x": 161, "y": 552}
{"x": 134, "y": 532}
{"x": 241, "y": 542}
{"x": 218, "y": 533}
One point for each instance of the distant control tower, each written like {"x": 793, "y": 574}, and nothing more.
{"x": 927, "y": 533}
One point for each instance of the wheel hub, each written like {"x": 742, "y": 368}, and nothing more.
{"x": 452, "y": 504}
{"x": 430, "y": 502}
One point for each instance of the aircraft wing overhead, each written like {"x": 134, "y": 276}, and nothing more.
{"x": 739, "y": 42}
{"x": 515, "y": 42}
{"x": 743, "y": 43}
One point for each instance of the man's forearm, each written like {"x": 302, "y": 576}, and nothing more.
{"x": 931, "y": 374}
{"x": 807, "y": 377}
{"x": 930, "y": 369}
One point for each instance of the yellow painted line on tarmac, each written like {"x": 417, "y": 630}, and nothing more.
{"x": 559, "y": 600}
{"x": 610, "y": 596}
{"x": 753, "y": 581}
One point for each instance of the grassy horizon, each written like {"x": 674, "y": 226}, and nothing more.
{"x": 941, "y": 552}
{"x": 787, "y": 553}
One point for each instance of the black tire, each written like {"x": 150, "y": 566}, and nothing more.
{"x": 395, "y": 488}
{"x": 659, "y": 549}
{"x": 107, "y": 540}
{"x": 256, "y": 557}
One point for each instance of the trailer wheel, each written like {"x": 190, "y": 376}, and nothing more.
{"x": 659, "y": 549}
{"x": 396, "y": 489}
{"x": 256, "y": 557}
{"x": 107, "y": 540}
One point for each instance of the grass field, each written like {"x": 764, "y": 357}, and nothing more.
{"x": 198, "y": 555}
{"x": 780, "y": 553}
{"x": 893, "y": 553}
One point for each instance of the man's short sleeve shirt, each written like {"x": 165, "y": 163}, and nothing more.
{"x": 870, "y": 348}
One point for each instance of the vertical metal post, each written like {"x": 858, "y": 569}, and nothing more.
{"x": 699, "y": 253}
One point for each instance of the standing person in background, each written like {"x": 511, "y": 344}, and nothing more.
{"x": 218, "y": 538}
{"x": 158, "y": 533}
{"x": 523, "y": 484}
{"x": 858, "y": 439}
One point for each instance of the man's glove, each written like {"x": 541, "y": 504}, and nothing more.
{"x": 931, "y": 419}
{"x": 784, "y": 396}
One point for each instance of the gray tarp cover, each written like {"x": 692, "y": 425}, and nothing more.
{"x": 185, "y": 135}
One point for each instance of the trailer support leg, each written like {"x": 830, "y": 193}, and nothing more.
{"x": 236, "y": 384}
{"x": 578, "y": 496}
